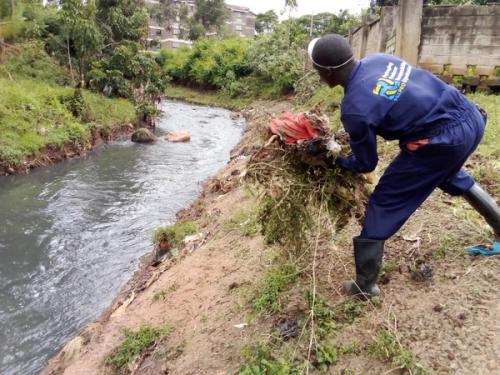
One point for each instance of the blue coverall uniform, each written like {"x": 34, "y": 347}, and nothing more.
{"x": 386, "y": 96}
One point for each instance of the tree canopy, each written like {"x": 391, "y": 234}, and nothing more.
{"x": 265, "y": 22}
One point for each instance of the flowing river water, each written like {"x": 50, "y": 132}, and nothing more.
{"x": 71, "y": 235}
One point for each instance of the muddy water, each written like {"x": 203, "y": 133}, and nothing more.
{"x": 71, "y": 234}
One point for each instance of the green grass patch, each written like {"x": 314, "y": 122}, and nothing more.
{"x": 352, "y": 348}
{"x": 175, "y": 233}
{"x": 261, "y": 361}
{"x": 30, "y": 61}
{"x": 135, "y": 342}
{"x": 106, "y": 112}
{"x": 326, "y": 97}
{"x": 386, "y": 347}
{"x": 206, "y": 97}
{"x": 491, "y": 104}
{"x": 243, "y": 221}
{"x": 350, "y": 310}
{"x": 267, "y": 297}
{"x": 35, "y": 114}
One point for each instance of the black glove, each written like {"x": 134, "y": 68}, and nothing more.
{"x": 315, "y": 147}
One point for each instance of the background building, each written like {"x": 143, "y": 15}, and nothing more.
{"x": 241, "y": 21}
{"x": 172, "y": 31}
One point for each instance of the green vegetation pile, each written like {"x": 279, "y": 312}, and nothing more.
{"x": 295, "y": 189}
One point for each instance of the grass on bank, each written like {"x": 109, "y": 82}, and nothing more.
{"x": 30, "y": 61}
{"x": 37, "y": 110}
{"x": 34, "y": 114}
{"x": 135, "y": 343}
{"x": 386, "y": 347}
{"x": 175, "y": 233}
{"x": 206, "y": 97}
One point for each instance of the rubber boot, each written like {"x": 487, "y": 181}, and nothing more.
{"x": 486, "y": 206}
{"x": 368, "y": 258}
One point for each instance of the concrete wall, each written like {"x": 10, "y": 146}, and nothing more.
{"x": 355, "y": 39}
{"x": 459, "y": 36}
{"x": 452, "y": 41}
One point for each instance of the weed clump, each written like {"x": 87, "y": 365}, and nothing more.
{"x": 135, "y": 343}
{"x": 386, "y": 347}
{"x": 260, "y": 360}
{"x": 174, "y": 234}
{"x": 266, "y": 298}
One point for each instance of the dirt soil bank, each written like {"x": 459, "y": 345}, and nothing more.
{"x": 449, "y": 321}
{"x": 53, "y": 154}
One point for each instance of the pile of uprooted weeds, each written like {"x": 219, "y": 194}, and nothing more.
{"x": 297, "y": 190}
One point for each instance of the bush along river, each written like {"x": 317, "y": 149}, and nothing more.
{"x": 71, "y": 235}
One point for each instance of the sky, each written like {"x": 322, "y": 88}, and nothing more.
{"x": 305, "y": 6}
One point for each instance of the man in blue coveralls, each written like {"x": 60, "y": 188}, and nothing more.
{"x": 437, "y": 128}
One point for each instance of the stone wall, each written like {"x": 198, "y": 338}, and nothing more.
{"x": 459, "y": 43}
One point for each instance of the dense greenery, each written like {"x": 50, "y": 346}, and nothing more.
{"x": 34, "y": 114}
{"x": 270, "y": 65}
{"x": 50, "y": 54}
{"x": 98, "y": 41}
{"x": 265, "y": 22}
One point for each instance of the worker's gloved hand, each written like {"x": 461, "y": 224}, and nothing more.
{"x": 315, "y": 147}
{"x": 345, "y": 163}
{"x": 483, "y": 250}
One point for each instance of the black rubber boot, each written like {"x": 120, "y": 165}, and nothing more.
{"x": 368, "y": 257}
{"x": 485, "y": 205}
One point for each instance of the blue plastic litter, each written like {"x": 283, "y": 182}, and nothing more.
{"x": 480, "y": 250}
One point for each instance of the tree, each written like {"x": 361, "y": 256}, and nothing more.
{"x": 122, "y": 20}
{"x": 324, "y": 23}
{"x": 211, "y": 13}
{"x": 81, "y": 31}
{"x": 265, "y": 22}
{"x": 11, "y": 22}
{"x": 196, "y": 29}
{"x": 279, "y": 57}
{"x": 183, "y": 14}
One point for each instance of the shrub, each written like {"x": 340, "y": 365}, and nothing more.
{"x": 209, "y": 63}
{"x": 279, "y": 57}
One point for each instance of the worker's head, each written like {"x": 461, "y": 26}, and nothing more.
{"x": 333, "y": 59}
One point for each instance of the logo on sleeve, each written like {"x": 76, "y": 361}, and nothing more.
{"x": 393, "y": 82}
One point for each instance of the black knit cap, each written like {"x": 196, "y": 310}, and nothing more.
{"x": 331, "y": 50}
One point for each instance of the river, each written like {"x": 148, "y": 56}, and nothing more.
{"x": 71, "y": 235}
